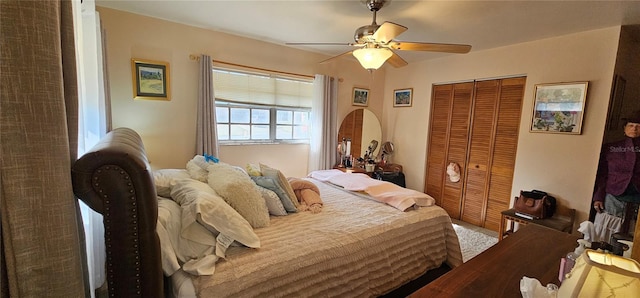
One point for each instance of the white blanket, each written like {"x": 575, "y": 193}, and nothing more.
{"x": 382, "y": 191}
{"x": 605, "y": 225}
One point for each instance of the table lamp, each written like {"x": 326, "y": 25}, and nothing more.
{"x": 597, "y": 274}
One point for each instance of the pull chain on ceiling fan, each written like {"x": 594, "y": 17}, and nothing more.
{"x": 376, "y": 45}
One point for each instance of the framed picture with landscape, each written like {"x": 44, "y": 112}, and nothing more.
{"x": 402, "y": 97}
{"x": 559, "y": 107}
{"x": 150, "y": 79}
{"x": 360, "y": 97}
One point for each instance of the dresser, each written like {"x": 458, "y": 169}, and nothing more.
{"x": 390, "y": 172}
{"x": 533, "y": 251}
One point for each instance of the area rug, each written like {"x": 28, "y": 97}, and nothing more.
{"x": 473, "y": 240}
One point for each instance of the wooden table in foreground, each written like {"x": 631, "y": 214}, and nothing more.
{"x": 533, "y": 251}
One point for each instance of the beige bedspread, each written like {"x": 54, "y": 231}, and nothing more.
{"x": 355, "y": 247}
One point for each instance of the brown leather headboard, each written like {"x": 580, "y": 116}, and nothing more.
{"x": 115, "y": 180}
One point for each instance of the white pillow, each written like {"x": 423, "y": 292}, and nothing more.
{"x": 175, "y": 248}
{"x": 237, "y": 189}
{"x": 201, "y": 204}
{"x": 164, "y": 179}
{"x": 165, "y": 220}
{"x": 197, "y": 168}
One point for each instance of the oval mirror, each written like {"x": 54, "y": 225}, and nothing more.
{"x": 362, "y": 127}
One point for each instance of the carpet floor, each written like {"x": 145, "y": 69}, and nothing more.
{"x": 473, "y": 239}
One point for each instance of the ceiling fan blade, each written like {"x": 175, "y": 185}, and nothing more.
{"x": 336, "y": 57}
{"x": 431, "y": 47}
{"x": 319, "y": 43}
{"x": 396, "y": 61}
{"x": 388, "y": 31}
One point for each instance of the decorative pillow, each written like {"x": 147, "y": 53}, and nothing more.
{"x": 239, "y": 169}
{"x": 253, "y": 170}
{"x": 197, "y": 168}
{"x": 201, "y": 204}
{"x": 164, "y": 179}
{"x": 268, "y": 171}
{"x": 237, "y": 189}
{"x": 273, "y": 201}
{"x": 274, "y": 185}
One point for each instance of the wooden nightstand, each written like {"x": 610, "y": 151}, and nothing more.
{"x": 562, "y": 220}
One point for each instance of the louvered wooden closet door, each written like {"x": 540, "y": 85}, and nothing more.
{"x": 441, "y": 99}
{"x": 476, "y": 126}
{"x": 504, "y": 150}
{"x": 480, "y": 148}
{"x": 492, "y": 149}
{"x": 448, "y": 143}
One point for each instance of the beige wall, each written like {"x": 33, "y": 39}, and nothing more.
{"x": 168, "y": 127}
{"x": 563, "y": 165}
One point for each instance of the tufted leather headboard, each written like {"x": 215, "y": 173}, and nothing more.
{"x": 115, "y": 180}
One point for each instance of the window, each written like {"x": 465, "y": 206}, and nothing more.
{"x": 257, "y": 108}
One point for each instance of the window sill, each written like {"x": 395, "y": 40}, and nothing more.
{"x": 253, "y": 143}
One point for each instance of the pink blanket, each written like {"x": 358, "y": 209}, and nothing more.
{"x": 382, "y": 191}
{"x": 307, "y": 194}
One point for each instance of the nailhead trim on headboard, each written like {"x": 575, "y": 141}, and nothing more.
{"x": 102, "y": 178}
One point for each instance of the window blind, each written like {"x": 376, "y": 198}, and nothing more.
{"x": 251, "y": 88}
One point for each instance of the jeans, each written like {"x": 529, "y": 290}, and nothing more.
{"x": 613, "y": 206}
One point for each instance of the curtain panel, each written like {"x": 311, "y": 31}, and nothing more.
{"x": 206, "y": 134}
{"x": 38, "y": 141}
{"x": 94, "y": 112}
{"x": 324, "y": 127}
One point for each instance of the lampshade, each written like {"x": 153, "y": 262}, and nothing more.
{"x": 372, "y": 58}
{"x": 597, "y": 274}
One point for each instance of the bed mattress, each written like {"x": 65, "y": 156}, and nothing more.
{"x": 354, "y": 247}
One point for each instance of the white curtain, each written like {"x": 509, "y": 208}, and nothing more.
{"x": 206, "y": 134}
{"x": 94, "y": 121}
{"x": 324, "y": 127}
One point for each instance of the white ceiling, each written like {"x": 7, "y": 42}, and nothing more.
{"x": 482, "y": 24}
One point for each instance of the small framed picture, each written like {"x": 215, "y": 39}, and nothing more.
{"x": 559, "y": 107}
{"x": 402, "y": 97}
{"x": 150, "y": 79}
{"x": 360, "y": 97}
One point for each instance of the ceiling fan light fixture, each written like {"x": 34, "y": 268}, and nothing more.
{"x": 372, "y": 58}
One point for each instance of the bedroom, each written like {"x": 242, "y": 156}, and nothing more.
{"x": 399, "y": 125}
{"x": 570, "y": 181}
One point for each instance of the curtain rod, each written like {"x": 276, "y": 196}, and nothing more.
{"x": 197, "y": 58}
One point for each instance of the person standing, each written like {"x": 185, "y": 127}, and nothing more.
{"x": 618, "y": 175}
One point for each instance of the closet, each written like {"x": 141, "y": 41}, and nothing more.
{"x": 475, "y": 125}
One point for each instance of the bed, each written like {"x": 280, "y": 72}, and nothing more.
{"x": 354, "y": 247}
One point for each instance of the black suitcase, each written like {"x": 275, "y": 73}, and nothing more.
{"x": 393, "y": 177}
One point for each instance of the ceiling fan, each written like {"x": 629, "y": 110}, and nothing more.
{"x": 376, "y": 45}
